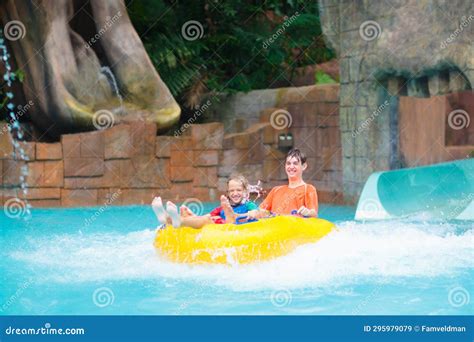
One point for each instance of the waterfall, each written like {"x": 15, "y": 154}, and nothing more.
{"x": 15, "y": 129}
{"x": 113, "y": 82}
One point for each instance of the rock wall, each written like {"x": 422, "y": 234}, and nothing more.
{"x": 128, "y": 164}
{"x": 311, "y": 115}
{"x": 388, "y": 49}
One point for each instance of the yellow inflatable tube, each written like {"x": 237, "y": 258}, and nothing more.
{"x": 245, "y": 243}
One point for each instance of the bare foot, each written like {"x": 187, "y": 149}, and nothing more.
{"x": 184, "y": 211}
{"x": 172, "y": 211}
{"x": 157, "y": 205}
{"x": 229, "y": 213}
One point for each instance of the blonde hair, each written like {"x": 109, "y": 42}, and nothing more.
{"x": 243, "y": 180}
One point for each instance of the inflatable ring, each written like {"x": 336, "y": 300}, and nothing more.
{"x": 243, "y": 243}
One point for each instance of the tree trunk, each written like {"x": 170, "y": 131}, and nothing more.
{"x": 63, "y": 71}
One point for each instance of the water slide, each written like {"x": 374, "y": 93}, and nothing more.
{"x": 440, "y": 191}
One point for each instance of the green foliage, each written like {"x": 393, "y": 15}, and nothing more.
{"x": 322, "y": 78}
{"x": 234, "y": 53}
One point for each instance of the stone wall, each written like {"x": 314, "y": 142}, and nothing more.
{"x": 129, "y": 164}
{"x": 241, "y": 110}
{"x": 388, "y": 49}
{"x": 314, "y": 115}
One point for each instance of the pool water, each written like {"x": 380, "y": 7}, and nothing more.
{"x": 93, "y": 261}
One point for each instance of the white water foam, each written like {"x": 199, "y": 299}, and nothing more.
{"x": 354, "y": 253}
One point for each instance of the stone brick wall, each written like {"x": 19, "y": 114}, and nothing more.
{"x": 314, "y": 112}
{"x": 88, "y": 169}
{"x": 129, "y": 164}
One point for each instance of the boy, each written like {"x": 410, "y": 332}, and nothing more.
{"x": 297, "y": 196}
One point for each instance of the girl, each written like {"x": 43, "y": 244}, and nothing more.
{"x": 236, "y": 202}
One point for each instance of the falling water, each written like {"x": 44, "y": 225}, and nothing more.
{"x": 14, "y": 127}
{"x": 110, "y": 76}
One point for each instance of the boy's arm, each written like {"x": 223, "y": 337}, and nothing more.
{"x": 307, "y": 212}
{"x": 310, "y": 208}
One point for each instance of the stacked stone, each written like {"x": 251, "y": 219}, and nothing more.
{"x": 313, "y": 119}
{"x": 45, "y": 177}
{"x": 123, "y": 165}
{"x": 194, "y": 160}
{"x": 129, "y": 164}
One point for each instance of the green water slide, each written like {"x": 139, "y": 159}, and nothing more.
{"x": 440, "y": 191}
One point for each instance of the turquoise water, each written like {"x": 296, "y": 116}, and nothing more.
{"x": 85, "y": 261}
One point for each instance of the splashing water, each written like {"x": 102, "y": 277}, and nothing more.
{"x": 14, "y": 127}
{"x": 392, "y": 267}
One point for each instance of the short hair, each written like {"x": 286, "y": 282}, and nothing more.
{"x": 239, "y": 178}
{"x": 297, "y": 154}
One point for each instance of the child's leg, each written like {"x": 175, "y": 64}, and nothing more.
{"x": 159, "y": 210}
{"x": 229, "y": 213}
{"x": 196, "y": 221}
{"x": 172, "y": 211}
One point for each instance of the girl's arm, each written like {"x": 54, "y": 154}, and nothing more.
{"x": 258, "y": 213}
